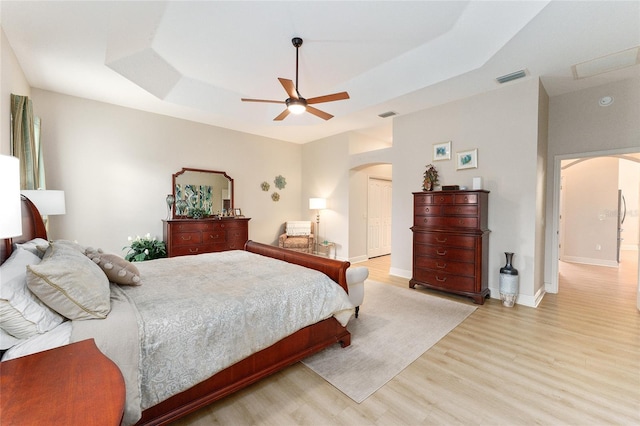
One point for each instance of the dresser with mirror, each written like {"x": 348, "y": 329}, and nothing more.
{"x": 201, "y": 214}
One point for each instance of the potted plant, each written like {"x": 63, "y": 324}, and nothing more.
{"x": 430, "y": 180}
{"x": 146, "y": 248}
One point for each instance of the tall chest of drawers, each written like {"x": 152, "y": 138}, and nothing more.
{"x": 197, "y": 236}
{"x": 451, "y": 242}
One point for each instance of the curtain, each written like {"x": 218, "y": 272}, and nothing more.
{"x": 25, "y": 143}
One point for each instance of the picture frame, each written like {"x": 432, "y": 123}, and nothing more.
{"x": 442, "y": 151}
{"x": 237, "y": 212}
{"x": 467, "y": 159}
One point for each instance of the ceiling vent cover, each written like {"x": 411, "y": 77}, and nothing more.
{"x": 510, "y": 77}
{"x": 387, "y": 114}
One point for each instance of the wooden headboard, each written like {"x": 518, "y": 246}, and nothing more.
{"x": 32, "y": 227}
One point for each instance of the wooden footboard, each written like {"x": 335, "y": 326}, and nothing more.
{"x": 287, "y": 351}
{"x": 334, "y": 269}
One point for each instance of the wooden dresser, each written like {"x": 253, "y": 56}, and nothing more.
{"x": 196, "y": 236}
{"x": 451, "y": 241}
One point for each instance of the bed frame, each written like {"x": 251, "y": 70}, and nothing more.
{"x": 283, "y": 353}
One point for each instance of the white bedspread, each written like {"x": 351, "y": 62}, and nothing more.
{"x": 200, "y": 314}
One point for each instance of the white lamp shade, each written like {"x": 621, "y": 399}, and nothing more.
{"x": 317, "y": 203}
{"x": 48, "y": 202}
{"x": 11, "y": 211}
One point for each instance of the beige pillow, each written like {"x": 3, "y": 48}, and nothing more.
{"x": 116, "y": 269}
{"x": 70, "y": 283}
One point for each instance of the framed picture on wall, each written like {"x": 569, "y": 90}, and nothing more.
{"x": 442, "y": 151}
{"x": 467, "y": 159}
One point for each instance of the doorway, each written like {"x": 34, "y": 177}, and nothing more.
{"x": 587, "y": 220}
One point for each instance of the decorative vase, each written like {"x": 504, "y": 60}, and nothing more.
{"x": 427, "y": 185}
{"x": 170, "y": 202}
{"x": 509, "y": 282}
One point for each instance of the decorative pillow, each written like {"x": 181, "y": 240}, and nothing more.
{"x": 22, "y": 314}
{"x": 70, "y": 283}
{"x": 116, "y": 269}
{"x": 296, "y": 228}
{"x": 70, "y": 244}
{"x": 36, "y": 246}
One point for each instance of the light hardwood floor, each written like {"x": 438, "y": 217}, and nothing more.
{"x": 574, "y": 360}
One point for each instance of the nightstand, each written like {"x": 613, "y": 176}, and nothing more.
{"x": 71, "y": 385}
{"x": 324, "y": 249}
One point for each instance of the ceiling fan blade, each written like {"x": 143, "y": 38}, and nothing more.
{"x": 289, "y": 87}
{"x": 329, "y": 98}
{"x": 318, "y": 113}
{"x": 261, "y": 100}
{"x": 282, "y": 115}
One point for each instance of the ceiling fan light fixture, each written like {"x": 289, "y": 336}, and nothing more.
{"x": 296, "y": 106}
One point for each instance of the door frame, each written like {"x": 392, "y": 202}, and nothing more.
{"x": 553, "y": 287}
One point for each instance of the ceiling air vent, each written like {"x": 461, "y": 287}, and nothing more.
{"x": 387, "y": 114}
{"x": 510, "y": 77}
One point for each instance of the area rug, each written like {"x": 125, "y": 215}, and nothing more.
{"x": 395, "y": 326}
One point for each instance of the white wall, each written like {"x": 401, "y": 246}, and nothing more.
{"x": 115, "y": 166}
{"x": 503, "y": 126}
{"x": 12, "y": 80}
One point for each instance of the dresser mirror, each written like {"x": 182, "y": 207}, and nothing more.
{"x": 201, "y": 193}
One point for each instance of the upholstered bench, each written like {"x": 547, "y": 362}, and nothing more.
{"x": 355, "y": 281}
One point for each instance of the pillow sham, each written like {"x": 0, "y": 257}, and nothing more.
{"x": 117, "y": 269}
{"x": 70, "y": 283}
{"x": 7, "y": 340}
{"x": 22, "y": 314}
{"x": 36, "y": 246}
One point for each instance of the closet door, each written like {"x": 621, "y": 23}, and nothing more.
{"x": 379, "y": 213}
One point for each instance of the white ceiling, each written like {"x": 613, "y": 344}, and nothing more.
{"x": 195, "y": 60}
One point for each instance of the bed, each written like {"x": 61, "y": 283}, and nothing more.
{"x": 270, "y": 350}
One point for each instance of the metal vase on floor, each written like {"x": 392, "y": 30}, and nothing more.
{"x": 509, "y": 282}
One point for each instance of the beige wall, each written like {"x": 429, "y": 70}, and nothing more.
{"x": 12, "y": 80}
{"x": 579, "y": 127}
{"x": 115, "y": 166}
{"x": 590, "y": 202}
{"x": 503, "y": 125}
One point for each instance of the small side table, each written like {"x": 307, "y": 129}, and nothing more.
{"x": 71, "y": 385}
{"x": 324, "y": 249}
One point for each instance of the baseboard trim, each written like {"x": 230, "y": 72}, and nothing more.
{"x": 591, "y": 261}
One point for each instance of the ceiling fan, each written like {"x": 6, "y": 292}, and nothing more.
{"x": 295, "y": 103}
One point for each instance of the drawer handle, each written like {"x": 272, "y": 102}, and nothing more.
{"x": 222, "y": 225}
{"x": 213, "y": 237}
{"x": 466, "y": 198}
{"x": 443, "y": 266}
{"x": 426, "y": 210}
{"x": 441, "y": 198}
{"x": 193, "y": 250}
{"x": 460, "y": 222}
{"x": 185, "y": 238}
{"x": 441, "y": 279}
{"x": 444, "y": 240}
{"x": 458, "y": 210}
{"x": 426, "y": 220}
{"x": 441, "y": 253}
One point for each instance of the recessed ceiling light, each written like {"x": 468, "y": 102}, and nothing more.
{"x": 605, "y": 101}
